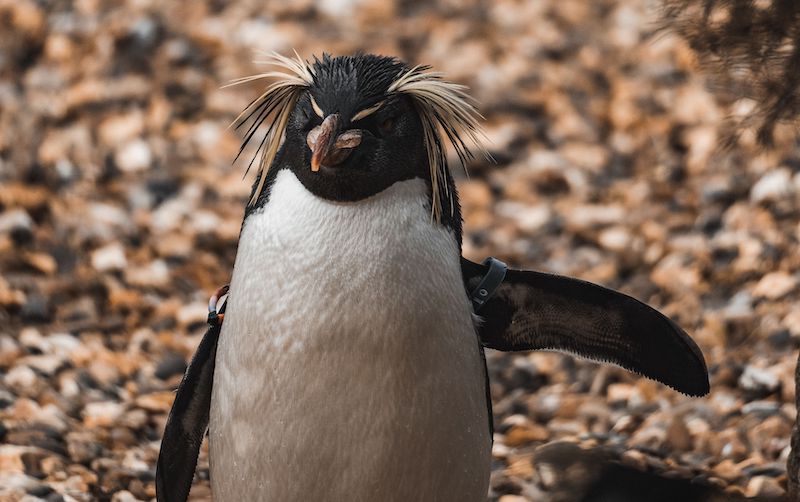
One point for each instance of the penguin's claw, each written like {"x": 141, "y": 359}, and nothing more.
{"x": 216, "y": 303}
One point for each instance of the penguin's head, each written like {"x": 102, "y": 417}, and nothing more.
{"x": 349, "y": 137}
{"x": 351, "y": 126}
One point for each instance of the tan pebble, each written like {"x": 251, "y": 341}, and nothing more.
{"x": 134, "y": 156}
{"x": 566, "y": 428}
{"x": 59, "y": 47}
{"x": 102, "y": 414}
{"x": 678, "y": 436}
{"x": 727, "y": 470}
{"x": 124, "y": 496}
{"x": 619, "y": 392}
{"x": 21, "y": 378}
{"x": 51, "y": 465}
{"x": 763, "y": 486}
{"x": 770, "y": 435}
{"x": 175, "y": 246}
{"x": 775, "y": 285}
{"x": 635, "y": 458}
{"x": 118, "y": 129}
{"x": 156, "y": 402}
{"x": 589, "y": 216}
{"x": 649, "y": 437}
{"x": 677, "y": 273}
{"x": 156, "y": 273}
{"x": 109, "y": 257}
{"x": 625, "y": 425}
{"x": 135, "y": 419}
{"x": 76, "y": 484}
{"x": 529, "y": 218}
{"x": 512, "y": 498}
{"x": 196, "y": 312}
{"x": 500, "y": 450}
{"x": 124, "y": 298}
{"x": 27, "y": 17}
{"x": 774, "y": 185}
{"x": 104, "y": 371}
{"x": 523, "y": 434}
{"x": 23, "y": 196}
{"x": 521, "y": 467}
{"x": 11, "y": 457}
{"x": 615, "y": 239}
{"x": 46, "y": 363}
{"x": 9, "y": 350}
{"x": 41, "y": 262}
{"x": 585, "y": 155}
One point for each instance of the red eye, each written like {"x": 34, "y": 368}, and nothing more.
{"x": 387, "y": 126}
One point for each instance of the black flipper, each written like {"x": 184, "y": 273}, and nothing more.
{"x": 187, "y": 423}
{"x": 533, "y": 310}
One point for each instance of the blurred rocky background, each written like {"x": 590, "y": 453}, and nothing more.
{"x": 120, "y": 211}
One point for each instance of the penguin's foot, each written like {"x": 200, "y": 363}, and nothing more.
{"x": 216, "y": 305}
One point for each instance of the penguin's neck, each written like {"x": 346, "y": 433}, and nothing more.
{"x": 381, "y": 252}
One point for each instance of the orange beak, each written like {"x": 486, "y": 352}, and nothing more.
{"x": 328, "y": 148}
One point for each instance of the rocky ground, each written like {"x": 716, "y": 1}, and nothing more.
{"x": 120, "y": 211}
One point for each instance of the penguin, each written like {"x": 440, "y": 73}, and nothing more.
{"x": 350, "y": 364}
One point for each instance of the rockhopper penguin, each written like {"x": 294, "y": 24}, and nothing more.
{"x": 350, "y": 364}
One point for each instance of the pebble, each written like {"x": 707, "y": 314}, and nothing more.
{"x": 16, "y": 220}
{"x": 124, "y": 496}
{"x": 758, "y": 379}
{"x": 775, "y": 285}
{"x": 774, "y": 185}
{"x": 133, "y": 156}
{"x": 102, "y": 414}
{"x": 154, "y": 274}
{"x": 20, "y": 377}
{"x": 763, "y": 486}
{"x": 109, "y": 257}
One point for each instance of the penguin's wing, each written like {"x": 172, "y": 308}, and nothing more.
{"x": 533, "y": 310}
{"x": 187, "y": 423}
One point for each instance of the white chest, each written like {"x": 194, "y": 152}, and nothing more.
{"x": 347, "y": 352}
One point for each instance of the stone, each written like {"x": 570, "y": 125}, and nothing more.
{"x": 158, "y": 402}
{"x": 109, "y": 257}
{"x": 118, "y": 129}
{"x": 528, "y": 218}
{"x": 775, "y": 285}
{"x": 102, "y": 414}
{"x": 155, "y": 273}
{"x": 124, "y": 496}
{"x": 615, "y": 239}
{"x": 763, "y": 486}
{"x": 758, "y": 379}
{"x": 15, "y": 221}
{"x": 774, "y": 185}
{"x": 133, "y": 156}
{"x": 522, "y": 434}
{"x": 20, "y": 377}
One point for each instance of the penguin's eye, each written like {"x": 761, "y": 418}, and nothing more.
{"x": 387, "y": 125}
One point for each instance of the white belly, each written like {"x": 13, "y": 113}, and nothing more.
{"x": 348, "y": 367}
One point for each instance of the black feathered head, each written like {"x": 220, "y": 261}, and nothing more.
{"x": 350, "y": 126}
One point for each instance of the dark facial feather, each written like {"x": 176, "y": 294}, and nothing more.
{"x": 447, "y": 113}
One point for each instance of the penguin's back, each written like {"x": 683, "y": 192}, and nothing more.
{"x": 348, "y": 367}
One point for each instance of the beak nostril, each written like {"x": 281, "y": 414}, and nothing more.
{"x": 329, "y": 148}
{"x": 349, "y": 139}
